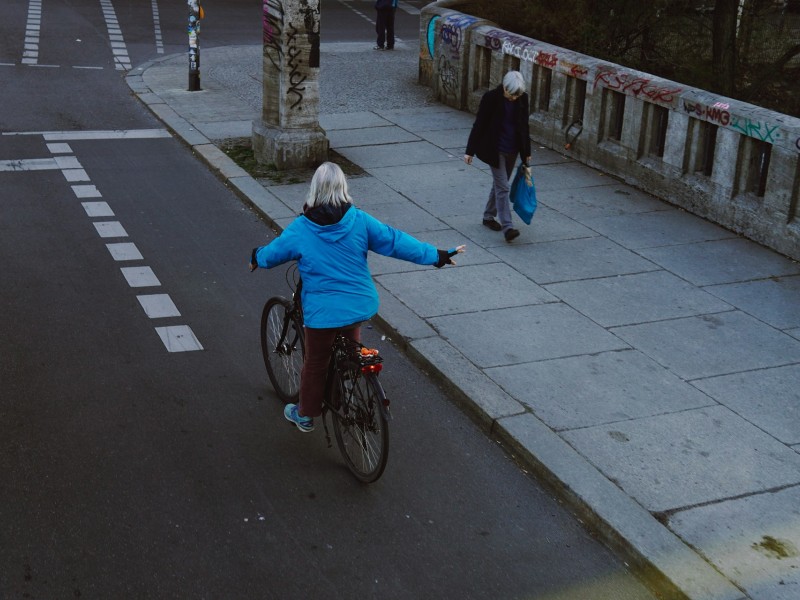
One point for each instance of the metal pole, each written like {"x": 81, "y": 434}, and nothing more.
{"x": 195, "y": 14}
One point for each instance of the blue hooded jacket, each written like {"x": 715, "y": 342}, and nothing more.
{"x": 332, "y": 259}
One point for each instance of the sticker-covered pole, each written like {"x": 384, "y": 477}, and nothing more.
{"x": 195, "y": 14}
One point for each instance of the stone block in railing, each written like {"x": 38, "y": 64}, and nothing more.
{"x": 443, "y": 54}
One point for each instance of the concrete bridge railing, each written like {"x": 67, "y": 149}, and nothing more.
{"x": 731, "y": 162}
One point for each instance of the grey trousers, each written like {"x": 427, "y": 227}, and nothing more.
{"x": 498, "y": 204}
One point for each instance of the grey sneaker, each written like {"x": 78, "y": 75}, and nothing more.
{"x": 304, "y": 424}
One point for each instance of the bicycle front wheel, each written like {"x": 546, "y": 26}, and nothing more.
{"x": 362, "y": 432}
{"x": 283, "y": 347}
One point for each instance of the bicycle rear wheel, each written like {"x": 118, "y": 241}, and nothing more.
{"x": 283, "y": 347}
{"x": 360, "y": 425}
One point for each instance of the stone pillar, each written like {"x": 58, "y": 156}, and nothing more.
{"x": 288, "y": 134}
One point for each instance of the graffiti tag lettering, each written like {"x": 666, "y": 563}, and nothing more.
{"x": 636, "y": 86}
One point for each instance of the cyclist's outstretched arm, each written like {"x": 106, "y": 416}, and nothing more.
{"x": 280, "y": 250}
{"x": 388, "y": 241}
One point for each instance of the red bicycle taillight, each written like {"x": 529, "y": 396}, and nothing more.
{"x": 372, "y": 368}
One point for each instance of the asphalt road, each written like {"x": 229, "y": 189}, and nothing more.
{"x": 129, "y": 471}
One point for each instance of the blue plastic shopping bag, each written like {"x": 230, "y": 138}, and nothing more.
{"x": 523, "y": 194}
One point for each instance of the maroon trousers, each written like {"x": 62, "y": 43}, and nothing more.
{"x": 315, "y": 366}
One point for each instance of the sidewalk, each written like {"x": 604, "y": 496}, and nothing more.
{"x": 643, "y": 362}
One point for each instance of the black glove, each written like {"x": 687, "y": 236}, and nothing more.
{"x": 444, "y": 258}
{"x": 253, "y": 261}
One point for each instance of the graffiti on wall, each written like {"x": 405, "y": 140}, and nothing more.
{"x": 719, "y": 114}
{"x": 637, "y": 86}
{"x": 273, "y": 31}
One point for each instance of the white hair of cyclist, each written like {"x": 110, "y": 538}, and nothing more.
{"x": 328, "y": 186}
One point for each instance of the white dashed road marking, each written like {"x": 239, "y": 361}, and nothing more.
{"x": 158, "y": 306}
{"x": 97, "y": 209}
{"x": 122, "y": 251}
{"x": 177, "y": 338}
{"x": 140, "y": 277}
{"x": 121, "y": 59}
{"x": 31, "y": 54}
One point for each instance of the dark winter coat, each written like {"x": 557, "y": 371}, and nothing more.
{"x": 485, "y": 135}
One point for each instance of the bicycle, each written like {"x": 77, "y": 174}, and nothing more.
{"x": 354, "y": 398}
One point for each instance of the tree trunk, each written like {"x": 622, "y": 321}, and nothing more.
{"x": 724, "y": 46}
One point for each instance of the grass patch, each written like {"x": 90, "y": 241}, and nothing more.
{"x": 240, "y": 150}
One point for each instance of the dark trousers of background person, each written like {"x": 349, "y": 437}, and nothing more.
{"x": 315, "y": 366}
{"x": 385, "y": 27}
{"x": 499, "y": 205}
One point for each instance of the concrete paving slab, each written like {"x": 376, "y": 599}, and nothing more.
{"x": 442, "y": 118}
{"x": 639, "y": 298}
{"x": 755, "y": 541}
{"x": 568, "y": 260}
{"x": 610, "y": 510}
{"x": 723, "y": 261}
{"x": 400, "y": 319}
{"x": 407, "y": 216}
{"x": 775, "y": 301}
{"x": 480, "y": 395}
{"x": 795, "y": 333}
{"x": 409, "y": 153}
{"x": 261, "y": 198}
{"x": 449, "y": 139}
{"x": 292, "y": 195}
{"x": 683, "y": 459}
{"x": 769, "y": 399}
{"x": 708, "y": 345}
{"x": 435, "y": 292}
{"x": 659, "y": 228}
{"x": 600, "y": 201}
{"x": 369, "y": 136}
{"x": 353, "y": 120}
{"x": 569, "y": 176}
{"x": 584, "y": 391}
{"x": 223, "y": 130}
{"x": 368, "y": 192}
{"x": 545, "y": 156}
{"x": 509, "y": 336}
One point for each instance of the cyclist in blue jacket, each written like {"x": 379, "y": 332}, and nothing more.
{"x": 330, "y": 242}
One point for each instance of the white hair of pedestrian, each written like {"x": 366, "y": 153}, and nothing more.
{"x": 514, "y": 83}
{"x": 328, "y": 186}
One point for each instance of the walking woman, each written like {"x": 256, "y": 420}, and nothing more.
{"x": 499, "y": 134}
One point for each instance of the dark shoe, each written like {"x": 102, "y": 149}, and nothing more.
{"x": 493, "y": 225}
{"x": 511, "y": 234}
{"x": 378, "y": 48}
{"x": 390, "y": 47}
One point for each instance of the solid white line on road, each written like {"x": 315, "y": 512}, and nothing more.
{"x": 112, "y": 134}
{"x": 124, "y": 251}
{"x": 29, "y": 164}
{"x": 129, "y": 134}
{"x": 97, "y": 209}
{"x": 179, "y": 338}
{"x": 90, "y": 68}
{"x": 109, "y": 229}
{"x": 140, "y": 277}
{"x": 158, "y": 306}
{"x": 86, "y": 191}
